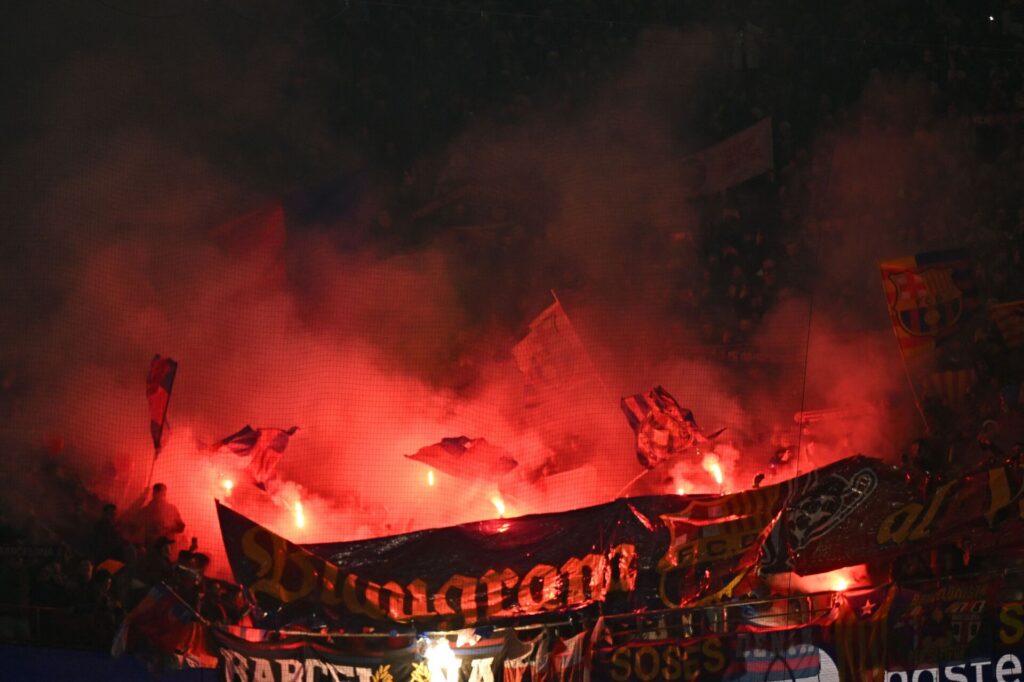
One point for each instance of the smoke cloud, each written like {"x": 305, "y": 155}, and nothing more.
{"x": 375, "y": 351}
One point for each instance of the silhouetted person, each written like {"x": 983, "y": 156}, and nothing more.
{"x": 157, "y": 566}
{"x": 105, "y": 541}
{"x": 160, "y": 518}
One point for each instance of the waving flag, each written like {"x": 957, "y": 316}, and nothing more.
{"x": 464, "y": 457}
{"x": 953, "y": 386}
{"x": 553, "y": 359}
{"x": 930, "y": 295}
{"x": 263, "y": 446}
{"x": 662, "y": 427}
{"x": 932, "y": 301}
{"x": 158, "y": 393}
{"x": 1009, "y": 317}
{"x": 862, "y": 635}
{"x": 161, "y": 619}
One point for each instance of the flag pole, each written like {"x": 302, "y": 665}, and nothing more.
{"x": 632, "y": 481}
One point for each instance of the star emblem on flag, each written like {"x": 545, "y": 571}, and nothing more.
{"x": 868, "y": 608}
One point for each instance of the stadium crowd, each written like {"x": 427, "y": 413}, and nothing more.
{"x": 807, "y": 70}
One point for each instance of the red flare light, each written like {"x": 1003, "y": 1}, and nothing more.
{"x": 499, "y": 505}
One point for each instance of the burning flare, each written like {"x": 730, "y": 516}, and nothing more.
{"x": 228, "y": 486}
{"x": 499, "y": 504}
{"x": 711, "y": 465}
{"x": 441, "y": 660}
{"x": 300, "y": 516}
{"x": 430, "y": 477}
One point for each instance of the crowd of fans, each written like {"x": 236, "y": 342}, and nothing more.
{"x": 806, "y": 70}
{"x": 57, "y": 594}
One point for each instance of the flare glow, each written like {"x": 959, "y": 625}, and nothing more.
{"x": 711, "y": 465}
{"x": 441, "y": 660}
{"x": 499, "y": 505}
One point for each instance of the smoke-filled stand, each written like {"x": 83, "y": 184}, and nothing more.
{"x": 363, "y": 341}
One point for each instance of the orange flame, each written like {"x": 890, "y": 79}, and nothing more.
{"x": 499, "y": 504}
{"x": 711, "y": 465}
{"x": 228, "y": 486}
{"x": 300, "y": 516}
{"x": 430, "y": 477}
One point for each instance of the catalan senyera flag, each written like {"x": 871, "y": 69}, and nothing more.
{"x": 929, "y": 296}
{"x": 159, "y": 383}
{"x": 1009, "y": 318}
{"x": 861, "y": 634}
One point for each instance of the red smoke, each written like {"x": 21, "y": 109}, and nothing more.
{"x": 375, "y": 355}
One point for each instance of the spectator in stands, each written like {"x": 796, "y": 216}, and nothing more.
{"x": 157, "y": 566}
{"x": 105, "y": 542}
{"x": 160, "y": 518}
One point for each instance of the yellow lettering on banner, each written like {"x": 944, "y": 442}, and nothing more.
{"x": 934, "y": 506}
{"x": 420, "y": 604}
{"x": 495, "y": 585}
{"x": 366, "y": 605}
{"x": 673, "y": 667}
{"x": 626, "y": 580}
{"x": 1011, "y": 619}
{"x": 647, "y": 671}
{"x": 621, "y": 665}
{"x": 467, "y": 598}
{"x": 715, "y": 659}
{"x": 897, "y": 526}
{"x": 281, "y": 558}
{"x": 256, "y": 552}
{"x": 548, "y": 600}
{"x": 579, "y": 583}
{"x": 329, "y": 585}
{"x": 395, "y": 601}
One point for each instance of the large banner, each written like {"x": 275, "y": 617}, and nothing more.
{"x": 641, "y": 553}
{"x": 745, "y": 155}
{"x": 785, "y": 655}
{"x": 483, "y": 572}
{"x": 957, "y": 632}
{"x": 293, "y": 659}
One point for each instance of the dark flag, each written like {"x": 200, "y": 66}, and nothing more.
{"x": 162, "y": 619}
{"x": 264, "y": 447}
{"x": 862, "y": 636}
{"x": 662, "y": 427}
{"x": 464, "y": 457}
{"x": 158, "y": 393}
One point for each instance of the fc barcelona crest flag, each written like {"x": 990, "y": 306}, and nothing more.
{"x": 929, "y": 296}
